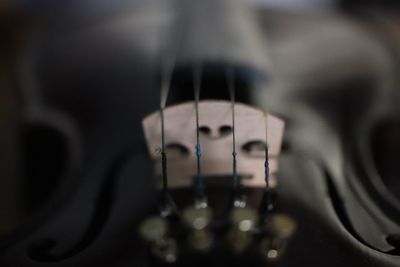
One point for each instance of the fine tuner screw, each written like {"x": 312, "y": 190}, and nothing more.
{"x": 281, "y": 228}
{"x": 154, "y": 231}
{"x": 243, "y": 221}
{"x": 198, "y": 220}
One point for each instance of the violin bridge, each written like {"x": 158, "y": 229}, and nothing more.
{"x": 257, "y": 128}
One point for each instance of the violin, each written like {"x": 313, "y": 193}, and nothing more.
{"x": 201, "y": 133}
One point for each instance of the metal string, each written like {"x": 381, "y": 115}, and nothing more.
{"x": 267, "y": 203}
{"x": 168, "y": 206}
{"x": 266, "y": 168}
{"x": 231, "y": 87}
{"x": 199, "y": 182}
{"x": 166, "y": 77}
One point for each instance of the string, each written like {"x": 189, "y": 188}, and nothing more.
{"x": 169, "y": 58}
{"x": 266, "y": 168}
{"x": 199, "y": 182}
{"x": 267, "y": 203}
{"x": 168, "y": 205}
{"x": 166, "y": 77}
{"x": 231, "y": 88}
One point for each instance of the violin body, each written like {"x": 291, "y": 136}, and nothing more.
{"x": 87, "y": 80}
